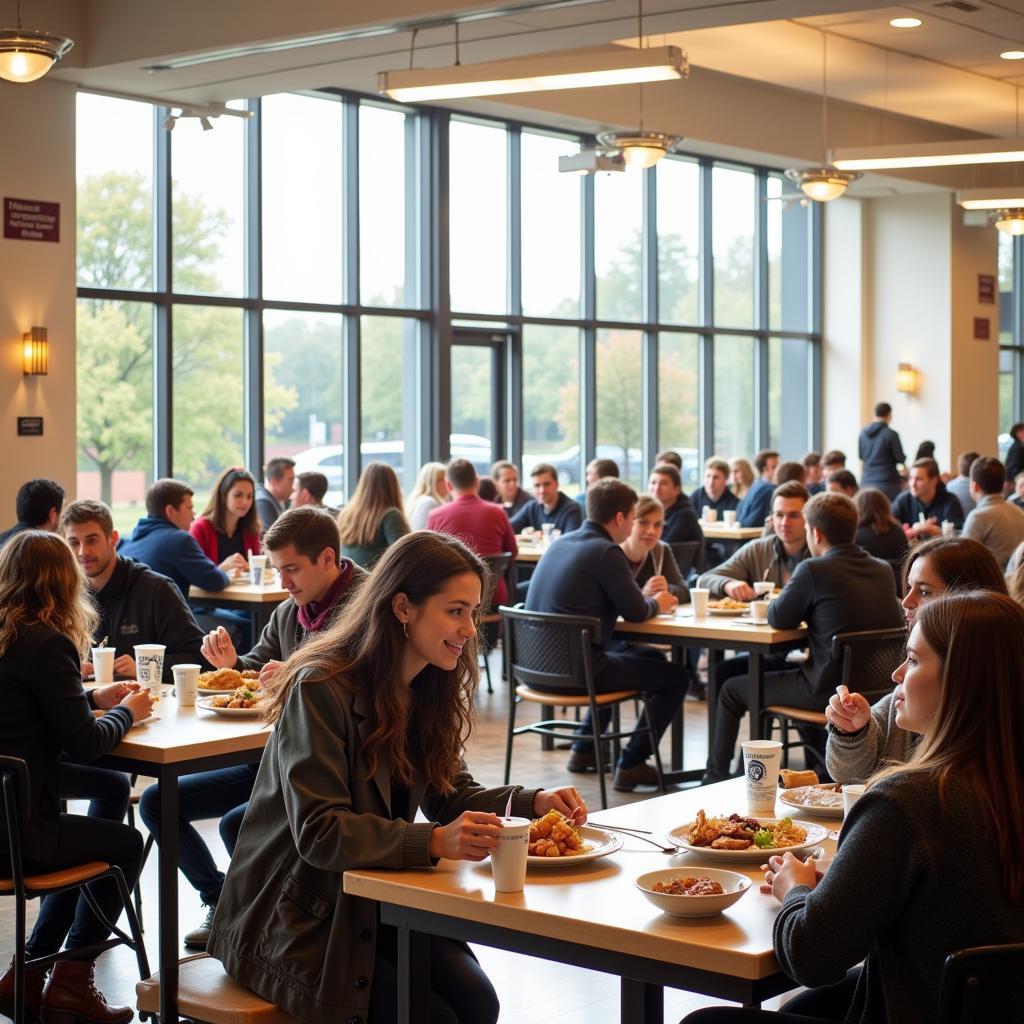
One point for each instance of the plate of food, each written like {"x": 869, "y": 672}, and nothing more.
{"x": 556, "y": 842}
{"x": 727, "y": 606}
{"x": 226, "y": 680}
{"x": 737, "y": 837}
{"x": 703, "y": 892}
{"x": 242, "y": 703}
{"x": 824, "y": 799}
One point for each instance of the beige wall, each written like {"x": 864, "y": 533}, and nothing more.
{"x": 37, "y": 287}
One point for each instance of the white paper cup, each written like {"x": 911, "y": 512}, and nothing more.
{"x": 948, "y": 528}
{"x": 699, "y": 599}
{"x": 762, "y": 587}
{"x": 149, "y": 667}
{"x": 257, "y": 569}
{"x": 851, "y": 794}
{"x": 186, "y": 684}
{"x": 508, "y": 859}
{"x": 710, "y": 515}
{"x": 103, "y": 664}
{"x": 759, "y": 611}
{"x": 761, "y": 762}
{"x": 730, "y": 517}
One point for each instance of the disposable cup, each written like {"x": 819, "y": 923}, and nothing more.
{"x": 729, "y": 517}
{"x": 851, "y": 794}
{"x": 762, "y": 587}
{"x": 103, "y": 664}
{"x": 186, "y": 684}
{"x": 149, "y": 667}
{"x": 699, "y": 600}
{"x": 257, "y": 569}
{"x": 761, "y": 762}
{"x": 508, "y": 858}
{"x": 948, "y": 528}
{"x": 710, "y": 515}
{"x": 759, "y": 611}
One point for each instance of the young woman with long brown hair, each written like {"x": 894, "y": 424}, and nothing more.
{"x": 879, "y": 532}
{"x": 228, "y": 529}
{"x": 46, "y": 630}
{"x": 371, "y": 719}
{"x": 373, "y": 519}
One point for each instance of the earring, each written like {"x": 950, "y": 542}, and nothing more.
{"x": 405, "y": 630}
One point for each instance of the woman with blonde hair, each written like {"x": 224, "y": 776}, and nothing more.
{"x": 429, "y": 493}
{"x": 373, "y": 519}
{"x": 46, "y": 626}
{"x": 741, "y": 477}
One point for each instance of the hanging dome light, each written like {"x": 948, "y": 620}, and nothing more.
{"x": 1010, "y": 222}
{"x": 639, "y": 148}
{"x": 822, "y": 184}
{"x": 26, "y": 55}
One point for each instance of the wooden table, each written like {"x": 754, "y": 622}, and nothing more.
{"x": 258, "y": 602}
{"x": 592, "y": 916}
{"x": 719, "y": 531}
{"x": 529, "y": 552}
{"x": 183, "y": 741}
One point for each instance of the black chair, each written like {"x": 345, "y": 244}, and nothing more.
{"x": 15, "y": 783}
{"x": 688, "y": 555}
{"x": 490, "y": 621}
{"x": 548, "y": 660}
{"x": 983, "y": 983}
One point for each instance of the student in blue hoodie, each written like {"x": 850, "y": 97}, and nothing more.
{"x": 881, "y": 453}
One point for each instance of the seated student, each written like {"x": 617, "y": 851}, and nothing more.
{"x": 228, "y": 530}
{"x": 862, "y": 738}
{"x": 273, "y": 494}
{"x": 482, "y": 527}
{"x": 586, "y": 573}
{"x": 890, "y": 898}
{"x": 548, "y": 505}
{"x": 960, "y": 485}
{"x": 786, "y": 471}
{"x": 310, "y": 489}
{"x": 428, "y": 494}
{"x": 681, "y": 523}
{"x": 487, "y": 490}
{"x": 996, "y": 522}
{"x": 879, "y": 533}
{"x": 161, "y": 540}
{"x": 814, "y": 470}
{"x": 1017, "y": 497}
{"x": 841, "y": 588}
{"x": 650, "y": 559}
{"x": 370, "y": 724}
{"x": 37, "y": 507}
{"x": 510, "y": 495}
{"x": 303, "y": 546}
{"x": 669, "y": 457}
{"x": 756, "y": 505}
{"x": 715, "y": 491}
{"x": 927, "y": 504}
{"x": 741, "y": 478}
{"x": 597, "y": 469}
{"x": 373, "y": 520}
{"x": 833, "y": 461}
{"x": 47, "y": 624}
{"x": 842, "y": 481}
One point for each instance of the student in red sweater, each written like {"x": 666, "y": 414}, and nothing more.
{"x": 229, "y": 528}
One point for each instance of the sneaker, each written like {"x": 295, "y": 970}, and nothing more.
{"x": 585, "y": 761}
{"x": 697, "y": 691}
{"x": 627, "y": 779}
{"x": 198, "y": 937}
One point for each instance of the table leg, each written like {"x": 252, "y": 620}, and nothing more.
{"x": 755, "y": 699}
{"x": 678, "y": 657}
{"x": 167, "y": 896}
{"x": 715, "y": 658}
{"x": 641, "y": 1002}
{"x": 413, "y": 977}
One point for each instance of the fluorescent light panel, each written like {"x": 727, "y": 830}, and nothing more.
{"x": 1009, "y": 198}
{"x": 579, "y": 69}
{"x": 930, "y": 154}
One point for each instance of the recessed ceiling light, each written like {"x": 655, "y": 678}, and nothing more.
{"x": 1012, "y": 55}
{"x": 905, "y": 22}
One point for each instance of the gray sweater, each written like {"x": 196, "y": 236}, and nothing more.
{"x": 751, "y": 562}
{"x": 856, "y": 756}
{"x": 912, "y": 881}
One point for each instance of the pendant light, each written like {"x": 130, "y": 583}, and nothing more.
{"x": 27, "y": 55}
{"x": 825, "y": 183}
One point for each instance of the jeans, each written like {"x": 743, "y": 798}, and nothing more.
{"x": 109, "y": 792}
{"x": 200, "y": 796}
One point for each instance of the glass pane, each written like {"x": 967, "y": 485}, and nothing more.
{"x": 472, "y": 392}
{"x": 301, "y": 185}
{"x": 732, "y": 227}
{"x": 789, "y": 260}
{"x": 789, "y": 395}
{"x": 551, "y": 228}
{"x": 678, "y": 397}
{"x": 382, "y": 212}
{"x": 619, "y": 413}
{"x": 114, "y": 353}
{"x": 1006, "y": 362}
{"x": 114, "y": 155}
{"x": 208, "y": 206}
{"x": 207, "y": 415}
{"x": 388, "y": 350}
{"x": 678, "y": 241}
{"x": 302, "y": 393}
{"x": 551, "y": 401}
{"x": 618, "y": 245}
{"x": 1006, "y": 247}
{"x": 734, "y": 397}
{"x": 478, "y": 218}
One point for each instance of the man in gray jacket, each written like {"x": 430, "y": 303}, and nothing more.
{"x": 997, "y": 523}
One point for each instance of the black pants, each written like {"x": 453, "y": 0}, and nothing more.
{"x": 460, "y": 992}
{"x": 108, "y": 792}
{"x": 65, "y": 915}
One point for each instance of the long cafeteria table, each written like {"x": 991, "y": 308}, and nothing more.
{"x": 258, "y": 602}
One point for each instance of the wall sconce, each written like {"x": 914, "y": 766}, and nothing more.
{"x": 906, "y": 379}
{"x": 36, "y": 352}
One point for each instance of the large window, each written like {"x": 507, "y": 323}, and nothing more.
{"x": 734, "y": 217}
{"x": 551, "y": 401}
{"x": 678, "y": 401}
{"x": 619, "y": 402}
{"x": 618, "y": 245}
{"x": 678, "y": 241}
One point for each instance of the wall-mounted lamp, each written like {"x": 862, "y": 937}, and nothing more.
{"x": 906, "y": 379}
{"x": 36, "y": 352}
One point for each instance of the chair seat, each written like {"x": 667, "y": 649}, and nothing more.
{"x": 206, "y": 993}
{"x": 573, "y": 700}
{"x": 798, "y": 714}
{"x": 58, "y": 879}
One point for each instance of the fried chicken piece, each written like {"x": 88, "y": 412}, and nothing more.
{"x": 725, "y": 843}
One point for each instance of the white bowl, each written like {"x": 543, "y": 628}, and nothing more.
{"x": 734, "y": 884}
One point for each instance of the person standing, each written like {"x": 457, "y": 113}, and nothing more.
{"x": 881, "y": 453}
{"x": 37, "y": 507}
{"x": 272, "y": 497}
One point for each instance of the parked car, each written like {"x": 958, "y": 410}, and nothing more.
{"x": 567, "y": 463}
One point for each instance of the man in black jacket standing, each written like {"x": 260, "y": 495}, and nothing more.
{"x": 881, "y": 451}
{"x": 586, "y": 573}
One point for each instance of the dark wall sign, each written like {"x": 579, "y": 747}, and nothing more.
{"x": 30, "y": 426}
{"x": 986, "y": 289}
{"x": 31, "y": 220}
{"x": 982, "y": 328}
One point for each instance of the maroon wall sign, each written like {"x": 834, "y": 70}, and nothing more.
{"x": 31, "y": 220}
{"x": 986, "y": 289}
{"x": 981, "y": 328}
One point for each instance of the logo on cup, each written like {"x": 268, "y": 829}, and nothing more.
{"x": 755, "y": 771}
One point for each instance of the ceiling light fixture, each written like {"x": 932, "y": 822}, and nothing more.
{"x": 591, "y": 161}
{"x": 1012, "y": 55}
{"x": 27, "y": 55}
{"x": 905, "y": 22}
{"x": 930, "y": 154}
{"x": 1010, "y": 222}
{"x": 1008, "y": 198}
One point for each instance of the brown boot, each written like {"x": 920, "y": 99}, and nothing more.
{"x": 34, "y": 980}
{"x": 71, "y": 997}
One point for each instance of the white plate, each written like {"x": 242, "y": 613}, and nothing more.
{"x": 790, "y": 797}
{"x": 207, "y": 705}
{"x": 602, "y": 844}
{"x": 735, "y": 885}
{"x": 728, "y": 611}
{"x": 677, "y": 837}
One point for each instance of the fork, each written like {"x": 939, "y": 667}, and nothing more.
{"x": 643, "y": 839}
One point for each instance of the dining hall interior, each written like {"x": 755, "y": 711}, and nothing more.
{"x": 699, "y": 327}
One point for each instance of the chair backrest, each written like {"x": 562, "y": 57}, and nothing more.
{"x": 548, "y": 650}
{"x": 687, "y": 553}
{"x": 499, "y": 566}
{"x": 984, "y": 983}
{"x": 14, "y": 788}
{"x": 869, "y": 658}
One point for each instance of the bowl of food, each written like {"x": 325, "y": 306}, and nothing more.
{"x": 693, "y": 892}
